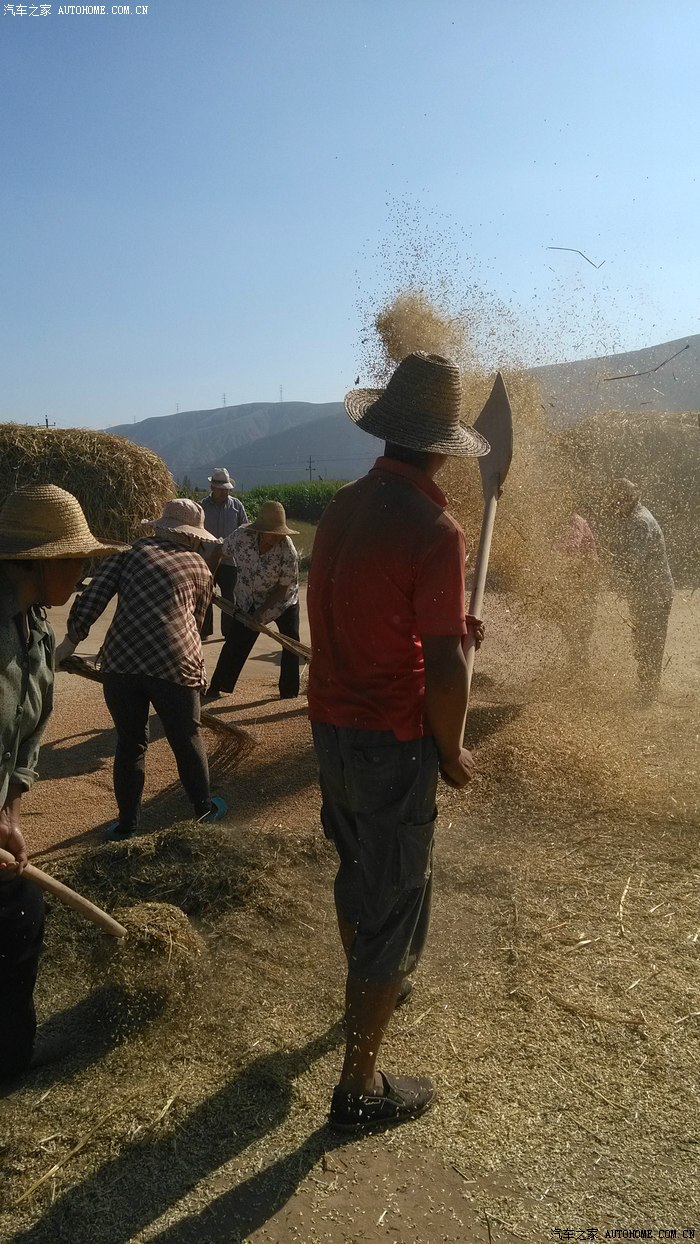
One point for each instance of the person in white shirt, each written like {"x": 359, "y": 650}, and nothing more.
{"x": 267, "y": 588}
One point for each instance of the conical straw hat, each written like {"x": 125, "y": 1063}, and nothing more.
{"x": 42, "y": 521}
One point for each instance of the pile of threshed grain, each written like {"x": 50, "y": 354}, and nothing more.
{"x": 152, "y": 885}
{"x": 117, "y": 483}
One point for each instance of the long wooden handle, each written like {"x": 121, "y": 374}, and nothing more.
{"x": 481, "y": 565}
{"x": 69, "y": 897}
{"x": 292, "y": 645}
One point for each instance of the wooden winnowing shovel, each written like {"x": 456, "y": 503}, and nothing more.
{"x": 495, "y": 423}
{"x": 69, "y": 897}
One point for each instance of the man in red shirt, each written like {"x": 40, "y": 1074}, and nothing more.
{"x": 387, "y": 700}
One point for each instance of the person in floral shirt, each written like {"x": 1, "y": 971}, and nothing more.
{"x": 267, "y": 588}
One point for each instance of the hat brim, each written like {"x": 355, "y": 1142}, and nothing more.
{"x": 269, "y": 531}
{"x": 181, "y": 529}
{"x": 59, "y": 550}
{"x": 220, "y": 484}
{"x": 365, "y": 408}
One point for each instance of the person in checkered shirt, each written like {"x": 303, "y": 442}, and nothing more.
{"x": 152, "y": 655}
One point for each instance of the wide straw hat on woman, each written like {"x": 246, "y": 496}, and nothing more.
{"x": 180, "y": 517}
{"x": 271, "y": 521}
{"x": 43, "y": 521}
{"x": 419, "y": 409}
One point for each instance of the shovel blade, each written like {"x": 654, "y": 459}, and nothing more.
{"x": 496, "y": 423}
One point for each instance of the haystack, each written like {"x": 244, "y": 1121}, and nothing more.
{"x": 117, "y": 483}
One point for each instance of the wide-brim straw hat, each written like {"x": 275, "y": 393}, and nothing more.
{"x": 43, "y": 521}
{"x": 271, "y": 520}
{"x": 180, "y": 517}
{"x": 419, "y": 409}
{"x": 220, "y": 478}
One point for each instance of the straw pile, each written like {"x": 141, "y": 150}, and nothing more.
{"x": 159, "y": 957}
{"x": 116, "y": 482}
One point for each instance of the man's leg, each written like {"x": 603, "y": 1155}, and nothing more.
{"x": 288, "y": 624}
{"x": 179, "y": 710}
{"x": 382, "y": 893}
{"x": 391, "y": 792}
{"x": 21, "y": 936}
{"x": 226, "y": 578}
{"x": 238, "y": 645}
{"x": 649, "y": 628}
{"x": 128, "y": 704}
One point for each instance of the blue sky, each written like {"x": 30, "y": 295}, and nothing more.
{"x": 213, "y": 197}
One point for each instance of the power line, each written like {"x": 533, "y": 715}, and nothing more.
{"x": 244, "y": 466}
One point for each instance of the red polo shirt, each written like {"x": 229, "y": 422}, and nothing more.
{"x": 387, "y": 567}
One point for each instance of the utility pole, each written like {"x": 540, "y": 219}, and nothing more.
{"x": 312, "y": 464}
{"x": 281, "y": 398}
{"x": 46, "y": 423}
{"x": 223, "y": 399}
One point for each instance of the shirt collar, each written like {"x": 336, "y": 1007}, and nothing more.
{"x": 415, "y": 476}
{"x": 11, "y": 608}
{"x": 9, "y": 605}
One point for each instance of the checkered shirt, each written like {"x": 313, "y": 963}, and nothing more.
{"x": 163, "y": 592}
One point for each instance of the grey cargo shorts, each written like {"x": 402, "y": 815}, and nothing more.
{"x": 379, "y": 811}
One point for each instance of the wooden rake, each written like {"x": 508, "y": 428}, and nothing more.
{"x": 70, "y": 897}
{"x": 292, "y": 645}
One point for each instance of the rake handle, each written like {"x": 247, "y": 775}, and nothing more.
{"x": 292, "y": 645}
{"x": 70, "y": 897}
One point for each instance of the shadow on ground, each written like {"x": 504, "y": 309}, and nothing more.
{"x": 137, "y": 1187}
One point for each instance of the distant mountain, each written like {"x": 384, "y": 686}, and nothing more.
{"x": 327, "y": 448}
{"x": 273, "y": 442}
{"x": 593, "y": 386}
{"x": 184, "y": 439}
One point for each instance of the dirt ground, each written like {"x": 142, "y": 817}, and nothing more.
{"x": 557, "y": 1007}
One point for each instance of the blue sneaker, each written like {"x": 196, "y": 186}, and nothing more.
{"x": 219, "y": 808}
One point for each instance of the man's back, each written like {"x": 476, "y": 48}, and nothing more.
{"x": 387, "y": 567}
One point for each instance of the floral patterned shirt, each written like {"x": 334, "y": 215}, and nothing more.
{"x": 259, "y": 573}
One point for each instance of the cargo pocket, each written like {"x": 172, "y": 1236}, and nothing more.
{"x": 376, "y": 778}
{"x": 415, "y": 854}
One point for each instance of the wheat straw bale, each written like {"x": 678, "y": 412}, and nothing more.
{"x": 116, "y": 482}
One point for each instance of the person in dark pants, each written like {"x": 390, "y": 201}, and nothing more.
{"x": 152, "y": 654}
{"x": 641, "y": 573}
{"x": 267, "y": 589}
{"x": 44, "y": 540}
{"x": 223, "y": 515}
{"x": 387, "y": 702}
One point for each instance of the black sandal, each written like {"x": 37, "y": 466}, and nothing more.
{"x": 403, "y": 1098}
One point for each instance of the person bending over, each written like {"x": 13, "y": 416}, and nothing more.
{"x": 152, "y": 654}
